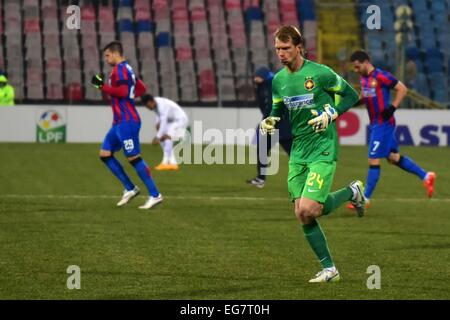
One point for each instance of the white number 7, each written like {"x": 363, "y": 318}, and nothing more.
{"x": 376, "y": 145}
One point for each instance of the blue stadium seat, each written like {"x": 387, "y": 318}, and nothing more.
{"x": 438, "y": 6}
{"x": 126, "y": 25}
{"x": 421, "y": 84}
{"x": 305, "y": 9}
{"x": 375, "y": 41}
{"x": 444, "y": 41}
{"x": 434, "y": 53}
{"x": 163, "y": 39}
{"x": 145, "y": 26}
{"x": 126, "y": 3}
{"x": 397, "y": 3}
{"x": 419, "y": 65}
{"x": 413, "y": 53}
{"x": 419, "y": 6}
{"x": 253, "y": 13}
{"x": 427, "y": 40}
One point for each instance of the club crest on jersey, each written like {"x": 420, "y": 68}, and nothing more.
{"x": 309, "y": 84}
{"x": 373, "y": 83}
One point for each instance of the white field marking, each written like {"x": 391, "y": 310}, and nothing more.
{"x": 213, "y": 198}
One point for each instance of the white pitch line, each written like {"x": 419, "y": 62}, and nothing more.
{"x": 213, "y": 198}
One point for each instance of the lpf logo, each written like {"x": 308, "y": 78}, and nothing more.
{"x": 50, "y": 127}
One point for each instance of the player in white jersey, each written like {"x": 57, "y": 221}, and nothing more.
{"x": 171, "y": 124}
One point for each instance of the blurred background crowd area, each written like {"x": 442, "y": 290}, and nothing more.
{"x": 205, "y": 52}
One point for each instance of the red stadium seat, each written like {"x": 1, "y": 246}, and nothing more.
{"x": 184, "y": 54}
{"x": 73, "y": 92}
{"x": 32, "y": 25}
{"x": 54, "y": 91}
{"x": 88, "y": 13}
{"x": 142, "y": 15}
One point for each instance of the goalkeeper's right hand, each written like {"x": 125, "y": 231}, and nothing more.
{"x": 267, "y": 126}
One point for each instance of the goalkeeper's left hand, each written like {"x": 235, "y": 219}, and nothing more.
{"x": 323, "y": 118}
{"x": 97, "y": 81}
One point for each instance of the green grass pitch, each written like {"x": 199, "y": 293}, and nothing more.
{"x": 214, "y": 237}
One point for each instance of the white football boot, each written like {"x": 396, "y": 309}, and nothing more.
{"x": 127, "y": 196}
{"x": 152, "y": 201}
{"x": 358, "y": 201}
{"x": 326, "y": 275}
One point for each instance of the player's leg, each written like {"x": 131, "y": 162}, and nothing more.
{"x": 167, "y": 147}
{"x": 410, "y": 166}
{"x": 318, "y": 184}
{"x": 110, "y": 145}
{"x": 129, "y": 134}
{"x": 307, "y": 210}
{"x": 263, "y": 146}
{"x": 379, "y": 144}
{"x": 143, "y": 171}
{"x": 176, "y": 133}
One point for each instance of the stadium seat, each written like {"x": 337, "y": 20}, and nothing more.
{"x": 73, "y": 92}
{"x": 145, "y": 26}
{"x": 163, "y": 39}
{"x": 126, "y": 25}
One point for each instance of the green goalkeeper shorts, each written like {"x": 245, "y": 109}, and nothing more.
{"x": 311, "y": 180}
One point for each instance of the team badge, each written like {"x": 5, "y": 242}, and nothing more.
{"x": 309, "y": 84}
{"x": 373, "y": 83}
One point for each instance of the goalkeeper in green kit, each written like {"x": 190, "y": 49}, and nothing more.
{"x": 307, "y": 90}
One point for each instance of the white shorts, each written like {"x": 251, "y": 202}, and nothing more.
{"x": 177, "y": 129}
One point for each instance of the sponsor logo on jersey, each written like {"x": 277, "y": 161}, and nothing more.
{"x": 369, "y": 92}
{"x": 299, "y": 102}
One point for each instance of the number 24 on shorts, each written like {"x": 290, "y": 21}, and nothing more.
{"x": 314, "y": 177}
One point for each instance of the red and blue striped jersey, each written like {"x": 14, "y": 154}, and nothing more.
{"x": 123, "y": 105}
{"x": 375, "y": 91}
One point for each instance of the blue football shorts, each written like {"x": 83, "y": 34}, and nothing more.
{"x": 382, "y": 141}
{"x": 123, "y": 135}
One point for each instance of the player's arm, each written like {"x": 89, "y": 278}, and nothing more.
{"x": 400, "y": 93}
{"x": 389, "y": 81}
{"x": 120, "y": 91}
{"x": 337, "y": 85}
{"x": 333, "y": 84}
{"x": 163, "y": 117}
{"x": 139, "y": 88}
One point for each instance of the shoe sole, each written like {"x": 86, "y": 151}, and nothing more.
{"x": 134, "y": 196}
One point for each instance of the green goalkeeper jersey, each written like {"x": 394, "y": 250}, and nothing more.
{"x": 311, "y": 87}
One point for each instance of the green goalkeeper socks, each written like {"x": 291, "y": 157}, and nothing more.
{"x": 316, "y": 239}
{"x": 336, "y": 199}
